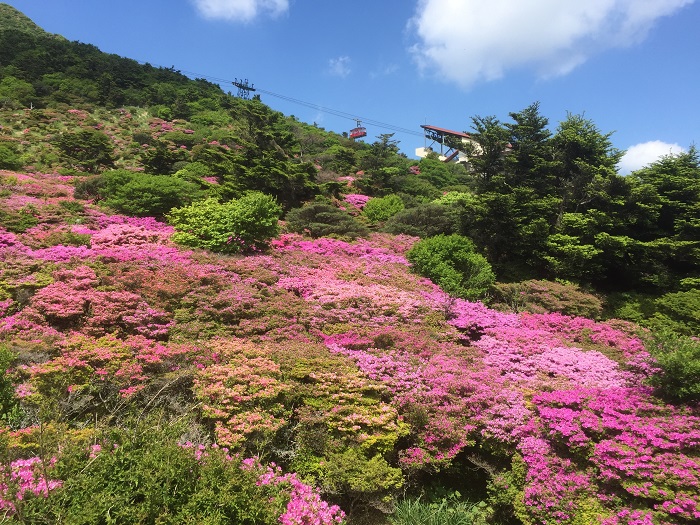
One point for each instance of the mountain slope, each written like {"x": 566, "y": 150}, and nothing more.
{"x": 13, "y": 20}
{"x": 143, "y": 382}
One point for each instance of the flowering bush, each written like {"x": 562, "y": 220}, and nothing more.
{"x": 305, "y": 505}
{"x": 144, "y": 476}
{"x": 357, "y": 200}
{"x": 327, "y": 356}
{"x": 23, "y": 479}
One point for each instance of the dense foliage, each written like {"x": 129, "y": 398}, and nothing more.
{"x": 242, "y": 225}
{"x": 451, "y": 262}
{"x": 322, "y": 219}
{"x": 210, "y": 369}
{"x": 379, "y": 209}
{"x": 679, "y": 360}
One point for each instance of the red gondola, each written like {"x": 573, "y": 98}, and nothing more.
{"x": 358, "y": 132}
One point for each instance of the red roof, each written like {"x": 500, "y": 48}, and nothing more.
{"x": 446, "y": 131}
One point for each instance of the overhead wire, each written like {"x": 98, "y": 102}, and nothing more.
{"x": 311, "y": 105}
{"x": 343, "y": 114}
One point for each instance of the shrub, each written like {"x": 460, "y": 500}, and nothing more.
{"x": 10, "y": 411}
{"x": 150, "y": 195}
{"x": 242, "y": 225}
{"x": 680, "y": 311}
{"x": 9, "y": 157}
{"x": 19, "y": 221}
{"x": 87, "y": 150}
{"x": 194, "y": 172}
{"x": 142, "y": 475}
{"x": 678, "y": 357}
{"x": 451, "y": 262}
{"x": 142, "y": 137}
{"x": 380, "y": 209}
{"x": 676, "y": 311}
{"x": 415, "y": 186}
{"x": 90, "y": 188}
{"x": 456, "y": 197}
{"x": 540, "y": 296}
{"x": 161, "y": 157}
{"x": 426, "y": 220}
{"x": 320, "y": 219}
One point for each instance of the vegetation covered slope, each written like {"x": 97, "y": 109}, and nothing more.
{"x": 146, "y": 382}
{"x": 539, "y": 203}
{"x": 333, "y": 360}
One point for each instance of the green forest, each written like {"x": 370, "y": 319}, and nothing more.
{"x": 100, "y": 153}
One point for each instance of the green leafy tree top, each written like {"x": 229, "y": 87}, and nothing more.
{"x": 452, "y": 262}
{"x": 243, "y": 225}
{"x": 87, "y": 149}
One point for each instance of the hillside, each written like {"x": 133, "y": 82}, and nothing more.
{"x": 13, "y": 20}
{"x": 171, "y": 353}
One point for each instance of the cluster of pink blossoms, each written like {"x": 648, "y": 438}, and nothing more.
{"x": 21, "y": 478}
{"x": 305, "y": 505}
{"x": 357, "y": 200}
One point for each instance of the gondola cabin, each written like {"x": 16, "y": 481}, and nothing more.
{"x": 358, "y": 132}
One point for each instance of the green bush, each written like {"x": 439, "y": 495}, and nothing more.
{"x": 142, "y": 475}
{"x": 679, "y": 311}
{"x": 678, "y": 358}
{"x": 19, "y": 221}
{"x": 320, "y": 219}
{"x": 9, "y": 157}
{"x": 161, "y": 111}
{"x": 380, "y": 209}
{"x": 144, "y": 195}
{"x": 88, "y": 150}
{"x": 10, "y": 411}
{"x": 415, "y": 186}
{"x": 90, "y": 188}
{"x": 540, "y": 296}
{"x": 194, "y": 171}
{"x": 242, "y": 225}
{"x": 15, "y": 92}
{"x": 359, "y": 477}
{"x": 160, "y": 158}
{"x": 426, "y": 220}
{"x": 459, "y": 198}
{"x": 441, "y": 174}
{"x": 451, "y": 262}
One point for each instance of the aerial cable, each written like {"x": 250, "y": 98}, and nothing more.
{"x": 330, "y": 111}
{"x": 343, "y": 114}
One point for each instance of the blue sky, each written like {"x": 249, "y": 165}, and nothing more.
{"x": 631, "y": 66}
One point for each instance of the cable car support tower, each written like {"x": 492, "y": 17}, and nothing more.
{"x": 244, "y": 88}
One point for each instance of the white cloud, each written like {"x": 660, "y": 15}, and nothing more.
{"x": 240, "y": 10}
{"x": 339, "y": 67}
{"x": 468, "y": 41}
{"x": 641, "y": 155}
